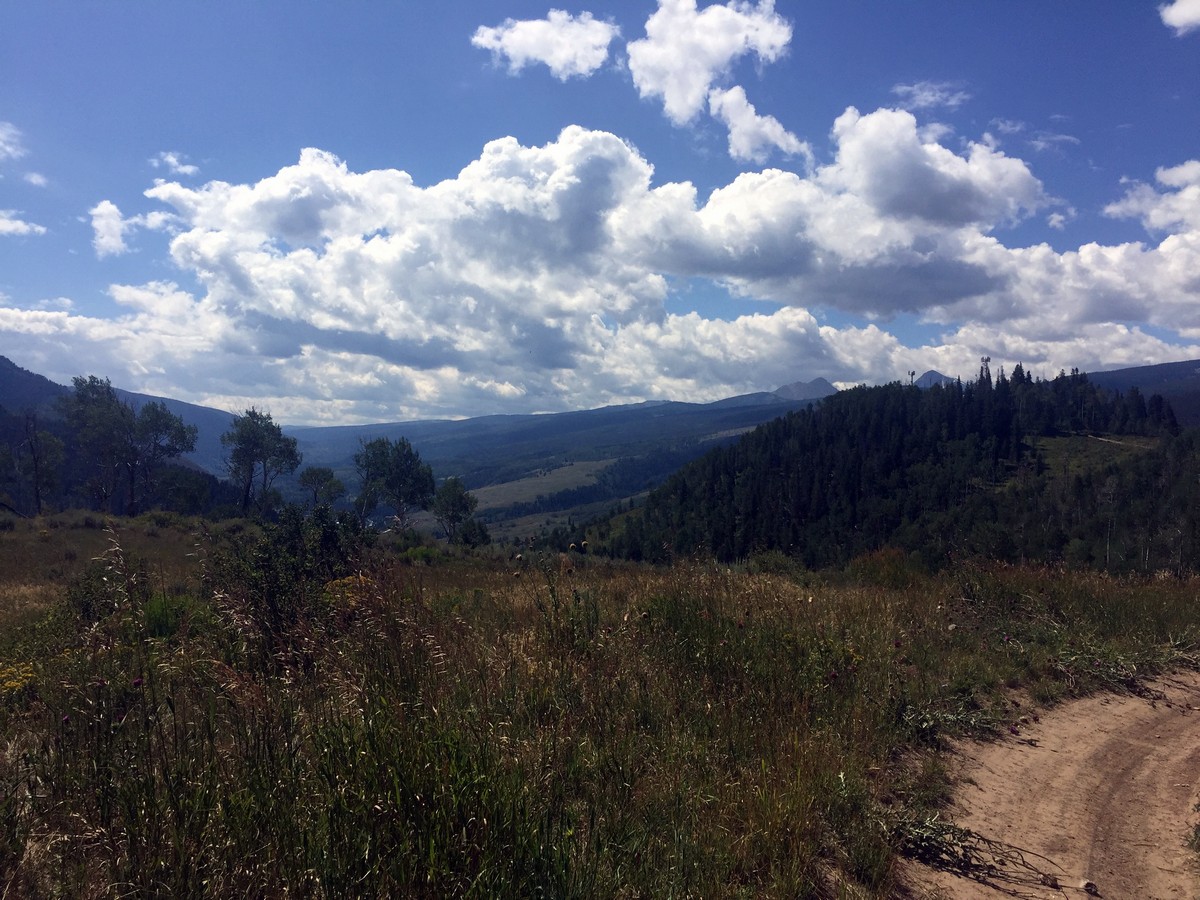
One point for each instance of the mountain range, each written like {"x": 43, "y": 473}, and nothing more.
{"x": 650, "y": 439}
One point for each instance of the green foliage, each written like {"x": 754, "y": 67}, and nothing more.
{"x": 274, "y": 584}
{"x": 259, "y": 452}
{"x": 100, "y": 422}
{"x": 453, "y": 505}
{"x": 325, "y": 486}
{"x": 391, "y": 472}
{"x": 122, "y": 446}
{"x": 422, "y": 556}
{"x": 38, "y": 460}
{"x": 473, "y": 533}
{"x": 158, "y": 435}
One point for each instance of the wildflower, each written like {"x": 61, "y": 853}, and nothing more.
{"x": 66, "y": 720}
{"x": 138, "y": 682}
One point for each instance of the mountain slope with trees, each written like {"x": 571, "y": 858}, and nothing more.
{"x": 952, "y": 469}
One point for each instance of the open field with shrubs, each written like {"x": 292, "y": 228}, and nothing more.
{"x": 303, "y": 710}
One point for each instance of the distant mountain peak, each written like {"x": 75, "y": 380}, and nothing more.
{"x": 932, "y": 377}
{"x": 806, "y": 390}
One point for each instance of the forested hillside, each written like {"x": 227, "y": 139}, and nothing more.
{"x": 977, "y": 468}
{"x": 91, "y": 447}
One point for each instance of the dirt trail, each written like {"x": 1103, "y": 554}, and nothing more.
{"x": 1099, "y": 790}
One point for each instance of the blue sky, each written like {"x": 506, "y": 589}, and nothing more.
{"x": 366, "y": 211}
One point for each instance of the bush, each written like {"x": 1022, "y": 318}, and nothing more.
{"x": 275, "y": 583}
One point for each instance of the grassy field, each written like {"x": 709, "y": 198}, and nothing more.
{"x": 1078, "y": 454}
{"x": 291, "y": 713}
{"x": 526, "y": 490}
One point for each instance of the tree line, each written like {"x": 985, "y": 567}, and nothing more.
{"x": 107, "y": 454}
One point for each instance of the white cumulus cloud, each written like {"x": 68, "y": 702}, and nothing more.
{"x": 1181, "y": 15}
{"x": 568, "y": 45}
{"x": 175, "y": 163}
{"x": 884, "y": 159}
{"x": 751, "y": 136}
{"x": 12, "y": 224}
{"x": 1175, "y": 207}
{"x": 109, "y": 227}
{"x": 685, "y": 50}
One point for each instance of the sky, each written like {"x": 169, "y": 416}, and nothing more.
{"x": 365, "y": 211}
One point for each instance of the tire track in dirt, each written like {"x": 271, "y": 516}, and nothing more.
{"x": 1100, "y": 790}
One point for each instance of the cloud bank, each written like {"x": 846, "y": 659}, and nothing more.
{"x": 539, "y": 278}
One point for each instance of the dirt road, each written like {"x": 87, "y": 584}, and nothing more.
{"x": 1100, "y": 790}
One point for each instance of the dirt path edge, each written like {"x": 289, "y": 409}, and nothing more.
{"x": 1100, "y": 794}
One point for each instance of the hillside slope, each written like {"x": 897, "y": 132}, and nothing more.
{"x": 1178, "y": 383}
{"x": 496, "y": 449}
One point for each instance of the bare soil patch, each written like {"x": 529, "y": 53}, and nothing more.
{"x": 1097, "y": 796}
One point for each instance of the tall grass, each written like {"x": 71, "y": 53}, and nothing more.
{"x": 315, "y": 718}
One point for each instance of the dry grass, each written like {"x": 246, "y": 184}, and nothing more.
{"x": 21, "y": 604}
